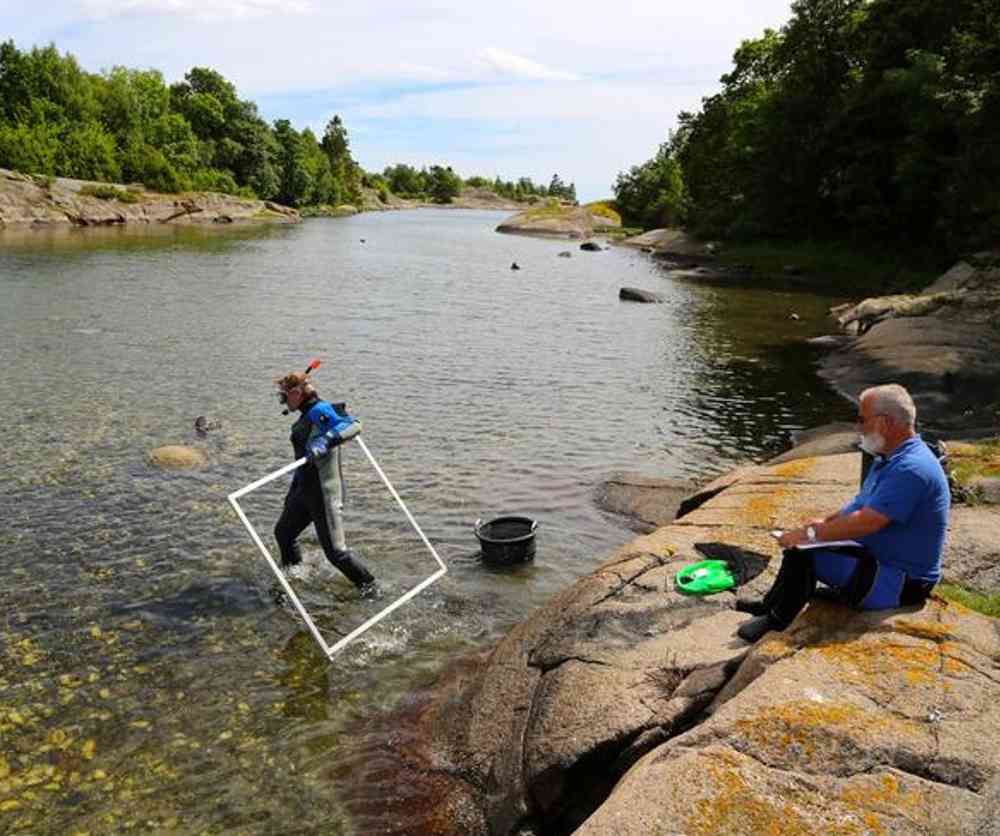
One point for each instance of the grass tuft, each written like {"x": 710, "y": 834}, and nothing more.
{"x": 108, "y": 192}
{"x": 981, "y": 602}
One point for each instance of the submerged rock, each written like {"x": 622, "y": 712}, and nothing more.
{"x": 176, "y": 457}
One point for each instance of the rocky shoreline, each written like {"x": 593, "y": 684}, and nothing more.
{"x": 625, "y": 707}
{"x": 33, "y": 201}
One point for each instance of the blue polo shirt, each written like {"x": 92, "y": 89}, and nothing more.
{"x": 911, "y": 489}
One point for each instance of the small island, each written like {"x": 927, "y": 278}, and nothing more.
{"x": 557, "y": 219}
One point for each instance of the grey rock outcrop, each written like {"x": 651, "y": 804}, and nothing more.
{"x": 943, "y": 345}
{"x": 551, "y": 221}
{"x": 647, "y": 501}
{"x": 673, "y": 243}
{"x": 38, "y": 201}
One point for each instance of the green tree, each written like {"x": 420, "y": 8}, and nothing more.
{"x": 445, "y": 185}
{"x": 33, "y": 149}
{"x": 295, "y": 182}
{"x": 88, "y": 152}
{"x": 652, "y": 194}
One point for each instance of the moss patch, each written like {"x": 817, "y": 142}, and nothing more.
{"x": 976, "y": 601}
{"x": 968, "y": 462}
{"x": 549, "y": 209}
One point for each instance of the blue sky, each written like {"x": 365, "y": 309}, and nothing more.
{"x": 517, "y": 88}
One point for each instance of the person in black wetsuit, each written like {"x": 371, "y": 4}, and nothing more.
{"x": 316, "y": 494}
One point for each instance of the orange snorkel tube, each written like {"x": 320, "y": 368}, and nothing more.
{"x": 313, "y": 365}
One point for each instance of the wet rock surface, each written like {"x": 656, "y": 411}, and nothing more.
{"x": 648, "y": 502}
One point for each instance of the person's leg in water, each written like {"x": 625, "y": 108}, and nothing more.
{"x": 330, "y": 531}
{"x": 293, "y": 520}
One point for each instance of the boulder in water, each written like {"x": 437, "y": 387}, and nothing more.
{"x": 634, "y": 294}
{"x": 591, "y": 246}
{"x": 176, "y": 457}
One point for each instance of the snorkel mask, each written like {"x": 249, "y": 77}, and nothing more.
{"x": 295, "y": 380}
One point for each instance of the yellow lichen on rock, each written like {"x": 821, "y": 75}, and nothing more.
{"x": 872, "y": 794}
{"x": 877, "y": 661}
{"x": 795, "y": 469}
{"x": 737, "y": 808}
{"x": 933, "y": 631}
{"x": 807, "y": 725}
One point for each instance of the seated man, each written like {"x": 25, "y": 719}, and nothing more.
{"x": 898, "y": 519}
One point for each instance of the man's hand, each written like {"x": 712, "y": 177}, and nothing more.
{"x": 793, "y": 538}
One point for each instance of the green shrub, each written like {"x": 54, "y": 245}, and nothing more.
{"x": 604, "y": 209}
{"x": 104, "y": 191}
{"x": 213, "y": 180}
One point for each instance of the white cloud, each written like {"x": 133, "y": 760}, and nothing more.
{"x": 211, "y": 10}
{"x": 440, "y": 80}
{"x": 508, "y": 63}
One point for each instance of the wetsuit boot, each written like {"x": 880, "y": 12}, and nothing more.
{"x": 351, "y": 566}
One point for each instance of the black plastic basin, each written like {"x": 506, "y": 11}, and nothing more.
{"x": 507, "y": 540}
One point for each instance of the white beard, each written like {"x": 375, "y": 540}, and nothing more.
{"x": 872, "y": 443}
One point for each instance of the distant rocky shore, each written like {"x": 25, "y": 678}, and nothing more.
{"x": 27, "y": 201}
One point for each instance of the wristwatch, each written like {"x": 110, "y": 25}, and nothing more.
{"x": 811, "y": 534}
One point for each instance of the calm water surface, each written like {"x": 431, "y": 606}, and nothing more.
{"x": 148, "y": 681}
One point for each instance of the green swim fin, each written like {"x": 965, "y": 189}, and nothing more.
{"x": 705, "y": 578}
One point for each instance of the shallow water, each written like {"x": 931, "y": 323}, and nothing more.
{"x": 148, "y": 680}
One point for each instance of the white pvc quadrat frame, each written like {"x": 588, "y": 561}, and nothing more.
{"x": 332, "y": 650}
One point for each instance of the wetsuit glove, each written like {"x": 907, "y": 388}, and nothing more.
{"x": 317, "y": 448}
{"x": 320, "y": 446}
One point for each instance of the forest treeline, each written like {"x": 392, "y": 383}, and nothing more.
{"x": 869, "y": 120}
{"x": 127, "y": 125}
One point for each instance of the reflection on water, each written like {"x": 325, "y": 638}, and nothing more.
{"x": 148, "y": 679}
